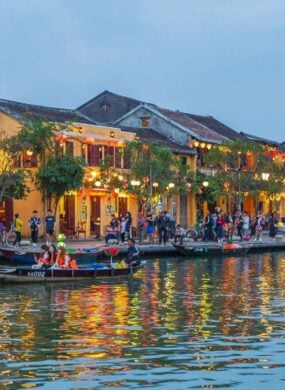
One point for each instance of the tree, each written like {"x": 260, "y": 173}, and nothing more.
{"x": 60, "y": 174}
{"x": 154, "y": 171}
{"x": 57, "y": 173}
{"x": 12, "y": 179}
{"x": 152, "y": 168}
{"x": 240, "y": 167}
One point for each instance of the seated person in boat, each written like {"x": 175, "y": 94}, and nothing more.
{"x": 112, "y": 233}
{"x": 62, "y": 258}
{"x": 179, "y": 233}
{"x": 52, "y": 254}
{"x": 43, "y": 260}
{"x": 72, "y": 264}
{"x": 133, "y": 255}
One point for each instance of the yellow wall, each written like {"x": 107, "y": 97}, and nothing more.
{"x": 8, "y": 125}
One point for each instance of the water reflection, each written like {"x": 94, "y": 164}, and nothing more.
{"x": 179, "y": 323}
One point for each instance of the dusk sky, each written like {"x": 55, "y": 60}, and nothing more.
{"x": 224, "y": 58}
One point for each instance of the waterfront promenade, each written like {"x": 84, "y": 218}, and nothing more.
{"x": 151, "y": 250}
{"x": 267, "y": 244}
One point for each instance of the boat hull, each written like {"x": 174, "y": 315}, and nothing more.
{"x": 26, "y": 257}
{"x": 211, "y": 250}
{"x": 31, "y": 275}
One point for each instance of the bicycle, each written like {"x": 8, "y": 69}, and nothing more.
{"x": 8, "y": 237}
{"x": 197, "y": 233}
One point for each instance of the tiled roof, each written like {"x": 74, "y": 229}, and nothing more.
{"x": 24, "y": 112}
{"x": 260, "y": 139}
{"x": 202, "y": 131}
{"x": 147, "y": 134}
{"x": 115, "y": 106}
{"x": 217, "y": 126}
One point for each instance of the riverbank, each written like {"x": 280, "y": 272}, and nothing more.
{"x": 152, "y": 250}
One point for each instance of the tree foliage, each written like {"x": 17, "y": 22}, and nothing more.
{"x": 12, "y": 179}
{"x": 151, "y": 163}
{"x": 241, "y": 165}
{"x": 60, "y": 174}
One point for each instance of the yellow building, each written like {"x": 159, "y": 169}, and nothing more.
{"x": 88, "y": 211}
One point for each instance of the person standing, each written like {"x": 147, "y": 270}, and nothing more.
{"x": 163, "y": 226}
{"x": 245, "y": 225}
{"x": 129, "y": 222}
{"x": 50, "y": 226}
{"x": 149, "y": 226}
{"x": 34, "y": 223}
{"x": 220, "y": 227}
{"x": 18, "y": 228}
{"x": 273, "y": 221}
{"x": 208, "y": 223}
{"x": 123, "y": 229}
{"x": 141, "y": 228}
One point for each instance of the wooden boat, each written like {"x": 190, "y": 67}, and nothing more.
{"x": 26, "y": 274}
{"x": 212, "y": 249}
{"x": 22, "y": 256}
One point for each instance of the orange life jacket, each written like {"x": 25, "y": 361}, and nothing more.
{"x": 72, "y": 264}
{"x": 60, "y": 260}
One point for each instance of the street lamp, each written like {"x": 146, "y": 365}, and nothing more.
{"x": 265, "y": 176}
{"x": 205, "y": 183}
{"x": 171, "y": 185}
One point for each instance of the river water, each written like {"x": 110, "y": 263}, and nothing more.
{"x": 178, "y": 324}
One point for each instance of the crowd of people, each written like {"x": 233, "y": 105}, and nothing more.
{"x": 147, "y": 228}
{"x": 34, "y": 224}
{"x": 218, "y": 226}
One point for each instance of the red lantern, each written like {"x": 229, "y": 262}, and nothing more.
{"x": 145, "y": 148}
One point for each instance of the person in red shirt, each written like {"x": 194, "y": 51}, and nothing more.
{"x": 220, "y": 222}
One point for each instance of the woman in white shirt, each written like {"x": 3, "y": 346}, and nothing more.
{"x": 245, "y": 224}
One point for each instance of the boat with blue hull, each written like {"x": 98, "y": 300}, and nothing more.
{"x": 23, "y": 256}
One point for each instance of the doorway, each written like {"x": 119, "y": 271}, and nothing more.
{"x": 69, "y": 212}
{"x": 122, "y": 206}
{"x": 184, "y": 210}
{"x": 95, "y": 216}
{"x": 6, "y": 212}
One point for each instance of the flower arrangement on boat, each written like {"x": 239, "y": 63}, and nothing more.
{"x": 111, "y": 252}
{"x": 60, "y": 240}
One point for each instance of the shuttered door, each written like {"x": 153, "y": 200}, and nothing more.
{"x": 95, "y": 216}
{"x": 69, "y": 211}
{"x": 122, "y": 206}
{"x": 94, "y": 154}
{"x": 118, "y": 157}
{"x": 109, "y": 152}
{"x": 183, "y": 210}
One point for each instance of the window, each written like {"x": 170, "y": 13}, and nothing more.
{"x": 105, "y": 107}
{"x": 145, "y": 121}
{"x": 118, "y": 157}
{"x": 69, "y": 148}
{"x": 109, "y": 152}
{"x": 183, "y": 160}
{"x": 94, "y": 155}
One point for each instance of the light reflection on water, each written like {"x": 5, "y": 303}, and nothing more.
{"x": 179, "y": 323}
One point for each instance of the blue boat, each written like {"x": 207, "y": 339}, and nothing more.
{"x": 23, "y": 256}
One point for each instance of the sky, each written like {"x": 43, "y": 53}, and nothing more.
{"x": 224, "y": 58}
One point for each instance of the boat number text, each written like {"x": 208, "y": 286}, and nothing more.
{"x": 37, "y": 274}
